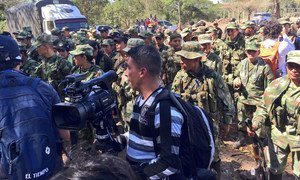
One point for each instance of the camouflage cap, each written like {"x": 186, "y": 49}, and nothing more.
{"x": 108, "y": 42}
{"x": 132, "y": 30}
{"x": 293, "y": 57}
{"x": 42, "y": 39}
{"x": 185, "y": 32}
{"x": 232, "y": 25}
{"x": 133, "y": 42}
{"x": 167, "y": 32}
{"x": 204, "y": 39}
{"x": 190, "y": 50}
{"x": 145, "y": 34}
{"x": 22, "y": 35}
{"x": 55, "y": 31}
{"x": 211, "y": 29}
{"x": 248, "y": 24}
{"x": 83, "y": 49}
{"x": 81, "y": 33}
{"x": 252, "y": 45}
{"x": 284, "y": 20}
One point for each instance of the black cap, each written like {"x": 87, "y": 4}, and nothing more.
{"x": 103, "y": 29}
{"x": 121, "y": 39}
{"x": 62, "y": 45}
{"x": 65, "y": 28}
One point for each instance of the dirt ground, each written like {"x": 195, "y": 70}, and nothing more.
{"x": 238, "y": 163}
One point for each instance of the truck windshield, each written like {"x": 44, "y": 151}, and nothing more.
{"x": 73, "y": 24}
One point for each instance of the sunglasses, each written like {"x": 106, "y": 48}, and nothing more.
{"x": 61, "y": 50}
{"x": 251, "y": 51}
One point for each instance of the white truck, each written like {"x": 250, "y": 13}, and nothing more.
{"x": 44, "y": 15}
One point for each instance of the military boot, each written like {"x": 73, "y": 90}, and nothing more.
{"x": 272, "y": 176}
{"x": 241, "y": 140}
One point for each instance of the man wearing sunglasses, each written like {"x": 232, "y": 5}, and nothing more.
{"x": 281, "y": 106}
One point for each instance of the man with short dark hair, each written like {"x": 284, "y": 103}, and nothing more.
{"x": 143, "y": 72}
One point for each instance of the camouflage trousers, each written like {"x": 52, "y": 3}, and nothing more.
{"x": 244, "y": 111}
{"x": 126, "y": 112}
{"x": 280, "y": 145}
{"x": 217, "y": 141}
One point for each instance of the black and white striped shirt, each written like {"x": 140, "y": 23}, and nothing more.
{"x": 140, "y": 148}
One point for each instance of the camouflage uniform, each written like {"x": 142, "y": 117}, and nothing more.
{"x": 92, "y": 72}
{"x": 231, "y": 53}
{"x": 29, "y": 66}
{"x": 211, "y": 60}
{"x": 170, "y": 66}
{"x": 214, "y": 62}
{"x": 282, "y": 107}
{"x": 125, "y": 94}
{"x": 255, "y": 77}
{"x": 205, "y": 89}
{"x": 216, "y": 43}
{"x": 53, "y": 69}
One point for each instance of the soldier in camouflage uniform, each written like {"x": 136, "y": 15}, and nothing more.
{"x": 253, "y": 75}
{"x": 125, "y": 94}
{"x": 24, "y": 38}
{"x": 232, "y": 52}
{"x": 281, "y": 106}
{"x": 108, "y": 48}
{"x": 147, "y": 37}
{"x": 210, "y": 59}
{"x": 28, "y": 65}
{"x": 53, "y": 68}
{"x": 216, "y": 42}
{"x": 170, "y": 61}
{"x": 83, "y": 57}
{"x": 249, "y": 31}
{"x": 205, "y": 88}
{"x": 159, "y": 39}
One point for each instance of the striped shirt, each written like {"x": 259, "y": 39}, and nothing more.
{"x": 140, "y": 148}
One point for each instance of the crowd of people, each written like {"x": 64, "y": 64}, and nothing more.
{"x": 247, "y": 71}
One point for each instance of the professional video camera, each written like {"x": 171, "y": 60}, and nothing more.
{"x": 91, "y": 101}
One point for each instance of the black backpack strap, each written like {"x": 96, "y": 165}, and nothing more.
{"x": 165, "y": 119}
{"x": 184, "y": 113}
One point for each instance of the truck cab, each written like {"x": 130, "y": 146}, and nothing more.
{"x": 60, "y": 15}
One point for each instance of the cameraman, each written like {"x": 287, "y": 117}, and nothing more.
{"x": 25, "y": 113}
{"x": 143, "y": 72}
